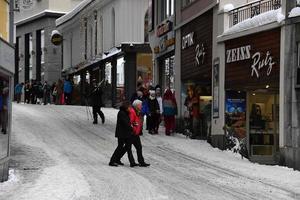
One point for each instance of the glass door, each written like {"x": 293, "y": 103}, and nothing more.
{"x": 263, "y": 121}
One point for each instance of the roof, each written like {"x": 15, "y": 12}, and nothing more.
{"x": 50, "y": 13}
{"x": 73, "y": 12}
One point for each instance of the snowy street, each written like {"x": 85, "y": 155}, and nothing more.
{"x": 57, "y": 154}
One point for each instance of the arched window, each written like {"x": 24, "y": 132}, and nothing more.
{"x": 146, "y": 27}
{"x": 113, "y": 29}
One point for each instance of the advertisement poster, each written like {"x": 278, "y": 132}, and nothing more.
{"x": 235, "y": 112}
{"x": 216, "y": 67}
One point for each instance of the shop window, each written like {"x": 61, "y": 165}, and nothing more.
{"x": 107, "y": 87}
{"x": 120, "y": 80}
{"x": 298, "y": 66}
{"x": 168, "y": 78}
{"x": 144, "y": 68}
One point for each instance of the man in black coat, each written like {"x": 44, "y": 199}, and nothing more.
{"x": 124, "y": 134}
{"x": 96, "y": 101}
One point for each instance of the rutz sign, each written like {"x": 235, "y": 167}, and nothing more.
{"x": 259, "y": 60}
{"x": 188, "y": 41}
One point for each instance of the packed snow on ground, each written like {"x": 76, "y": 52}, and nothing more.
{"x": 295, "y": 12}
{"x": 256, "y": 21}
{"x": 57, "y": 153}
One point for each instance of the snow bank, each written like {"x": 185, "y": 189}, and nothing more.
{"x": 256, "y": 21}
{"x": 295, "y": 12}
{"x": 73, "y": 12}
{"x": 228, "y": 7}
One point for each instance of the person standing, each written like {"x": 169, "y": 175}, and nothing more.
{"x": 96, "y": 101}
{"x": 18, "y": 91}
{"x": 54, "y": 92}
{"x": 27, "y": 91}
{"x": 67, "y": 91}
{"x": 169, "y": 111}
{"x": 159, "y": 100}
{"x": 46, "y": 93}
{"x": 124, "y": 134}
{"x": 153, "y": 112}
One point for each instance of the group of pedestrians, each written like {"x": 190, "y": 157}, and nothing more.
{"x": 36, "y": 92}
{"x": 130, "y": 120}
{"x": 157, "y": 108}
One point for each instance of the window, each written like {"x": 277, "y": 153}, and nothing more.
{"x": 43, "y": 46}
{"x": 17, "y": 4}
{"x": 85, "y": 37}
{"x": 30, "y": 57}
{"x": 167, "y": 9}
{"x": 96, "y": 32}
{"x": 185, "y": 3}
{"x": 113, "y": 24}
{"x": 298, "y": 65}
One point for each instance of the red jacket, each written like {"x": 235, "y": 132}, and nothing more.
{"x": 135, "y": 122}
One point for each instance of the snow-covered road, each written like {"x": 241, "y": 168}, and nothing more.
{"x": 56, "y": 153}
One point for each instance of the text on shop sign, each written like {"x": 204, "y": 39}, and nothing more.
{"x": 259, "y": 60}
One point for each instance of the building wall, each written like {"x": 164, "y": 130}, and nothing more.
{"x": 52, "y": 53}
{"x": 129, "y": 27}
{"x": 40, "y": 6}
{"x": 4, "y": 20}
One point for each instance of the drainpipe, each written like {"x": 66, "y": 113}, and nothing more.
{"x": 11, "y": 22}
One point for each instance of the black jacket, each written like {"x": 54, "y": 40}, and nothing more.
{"x": 123, "y": 128}
{"x": 96, "y": 96}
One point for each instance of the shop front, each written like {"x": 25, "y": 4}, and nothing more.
{"x": 252, "y": 73}
{"x": 165, "y": 54}
{"x": 196, "y": 75}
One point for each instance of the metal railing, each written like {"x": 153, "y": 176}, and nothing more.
{"x": 250, "y": 10}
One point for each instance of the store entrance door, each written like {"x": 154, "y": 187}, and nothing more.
{"x": 263, "y": 127}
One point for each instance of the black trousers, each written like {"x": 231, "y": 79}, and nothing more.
{"x": 136, "y": 141}
{"x": 124, "y": 145}
{"x": 97, "y": 110}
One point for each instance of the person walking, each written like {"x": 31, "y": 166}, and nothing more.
{"x": 96, "y": 101}
{"x": 68, "y": 91}
{"x": 124, "y": 134}
{"x": 135, "y": 116}
{"x": 169, "y": 111}
{"x": 18, "y": 91}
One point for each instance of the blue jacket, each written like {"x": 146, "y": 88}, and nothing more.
{"x": 18, "y": 88}
{"x": 169, "y": 108}
{"x": 67, "y": 87}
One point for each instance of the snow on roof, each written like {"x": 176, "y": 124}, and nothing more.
{"x": 44, "y": 12}
{"x": 256, "y": 21}
{"x": 295, "y": 12}
{"x": 228, "y": 7}
{"x": 73, "y": 12}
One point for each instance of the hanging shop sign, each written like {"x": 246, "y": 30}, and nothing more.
{"x": 259, "y": 60}
{"x": 164, "y": 28}
{"x": 56, "y": 37}
{"x": 164, "y": 44}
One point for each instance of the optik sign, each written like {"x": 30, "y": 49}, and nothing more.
{"x": 188, "y": 41}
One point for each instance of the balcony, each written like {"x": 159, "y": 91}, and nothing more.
{"x": 250, "y": 10}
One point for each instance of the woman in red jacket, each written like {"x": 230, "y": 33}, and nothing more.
{"x": 135, "y": 119}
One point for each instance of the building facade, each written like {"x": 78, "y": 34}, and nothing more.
{"x": 106, "y": 41}
{"x": 6, "y": 87}
{"x": 38, "y": 59}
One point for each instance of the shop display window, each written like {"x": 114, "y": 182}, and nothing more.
{"x": 197, "y": 110}
{"x": 144, "y": 71}
{"x": 5, "y": 102}
{"x": 168, "y": 73}
{"x": 120, "y": 80}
